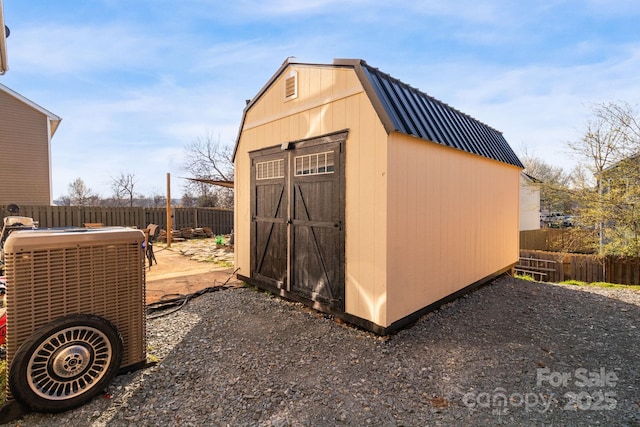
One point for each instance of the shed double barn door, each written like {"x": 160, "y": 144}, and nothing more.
{"x": 297, "y": 228}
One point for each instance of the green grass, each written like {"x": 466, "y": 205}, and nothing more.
{"x": 579, "y": 283}
{"x": 600, "y": 285}
{"x": 227, "y": 264}
{"x": 152, "y": 358}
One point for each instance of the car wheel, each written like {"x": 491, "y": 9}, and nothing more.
{"x": 66, "y": 363}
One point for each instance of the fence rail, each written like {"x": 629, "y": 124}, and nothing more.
{"x": 219, "y": 220}
{"x": 589, "y": 268}
{"x": 557, "y": 259}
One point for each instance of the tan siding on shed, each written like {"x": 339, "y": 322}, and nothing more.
{"x": 453, "y": 220}
{"x": 366, "y": 214}
{"x": 329, "y": 99}
{"x": 25, "y": 158}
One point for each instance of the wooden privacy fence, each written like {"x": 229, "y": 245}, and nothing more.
{"x": 588, "y": 268}
{"x": 559, "y": 239}
{"x": 219, "y": 220}
{"x": 624, "y": 270}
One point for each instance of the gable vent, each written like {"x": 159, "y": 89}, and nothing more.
{"x": 291, "y": 86}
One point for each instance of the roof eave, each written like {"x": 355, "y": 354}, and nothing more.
{"x": 54, "y": 123}
{"x": 253, "y": 100}
{"x": 379, "y": 108}
{"x": 221, "y": 183}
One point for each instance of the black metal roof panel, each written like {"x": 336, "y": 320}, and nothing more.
{"x": 413, "y": 112}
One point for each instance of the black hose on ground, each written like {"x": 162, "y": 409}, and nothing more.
{"x": 178, "y": 301}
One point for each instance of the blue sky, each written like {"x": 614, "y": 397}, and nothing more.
{"x": 136, "y": 81}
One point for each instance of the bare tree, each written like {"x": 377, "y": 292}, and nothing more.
{"x": 612, "y": 135}
{"x": 123, "y": 188}
{"x": 188, "y": 201}
{"x": 159, "y": 200}
{"x": 608, "y": 194}
{"x": 554, "y": 184}
{"x": 207, "y": 158}
{"x": 62, "y": 201}
{"x": 81, "y": 195}
{"x": 539, "y": 169}
{"x": 627, "y": 119}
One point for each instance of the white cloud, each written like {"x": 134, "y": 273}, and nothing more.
{"x": 76, "y": 49}
{"x": 294, "y": 7}
{"x": 542, "y": 106}
{"x": 142, "y": 131}
{"x": 608, "y": 8}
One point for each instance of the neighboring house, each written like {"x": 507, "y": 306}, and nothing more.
{"x": 529, "y": 202}
{"x": 623, "y": 175}
{"x": 368, "y": 199}
{"x": 26, "y": 130}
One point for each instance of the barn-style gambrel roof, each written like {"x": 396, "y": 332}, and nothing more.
{"x": 405, "y": 109}
{"x": 402, "y": 108}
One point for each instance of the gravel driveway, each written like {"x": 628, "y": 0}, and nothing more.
{"x": 512, "y": 353}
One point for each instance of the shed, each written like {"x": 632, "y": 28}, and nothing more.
{"x": 366, "y": 198}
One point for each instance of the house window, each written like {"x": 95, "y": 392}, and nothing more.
{"x": 291, "y": 86}
{"x": 271, "y": 169}
{"x": 315, "y": 164}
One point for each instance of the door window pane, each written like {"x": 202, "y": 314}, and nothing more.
{"x": 314, "y": 164}
{"x": 271, "y": 169}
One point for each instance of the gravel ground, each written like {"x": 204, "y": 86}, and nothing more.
{"x": 512, "y": 353}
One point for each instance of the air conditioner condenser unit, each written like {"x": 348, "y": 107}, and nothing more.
{"x": 75, "y": 313}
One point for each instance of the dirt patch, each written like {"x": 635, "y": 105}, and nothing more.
{"x": 177, "y": 273}
{"x": 172, "y": 263}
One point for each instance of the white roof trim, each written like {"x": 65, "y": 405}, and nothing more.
{"x": 531, "y": 179}
{"x": 55, "y": 119}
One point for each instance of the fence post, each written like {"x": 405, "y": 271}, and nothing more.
{"x": 169, "y": 222}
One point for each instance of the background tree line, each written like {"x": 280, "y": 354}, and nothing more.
{"x": 602, "y": 192}
{"x": 205, "y": 158}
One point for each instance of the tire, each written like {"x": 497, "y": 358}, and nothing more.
{"x": 66, "y": 363}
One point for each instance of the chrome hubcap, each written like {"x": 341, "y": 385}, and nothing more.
{"x": 69, "y": 363}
